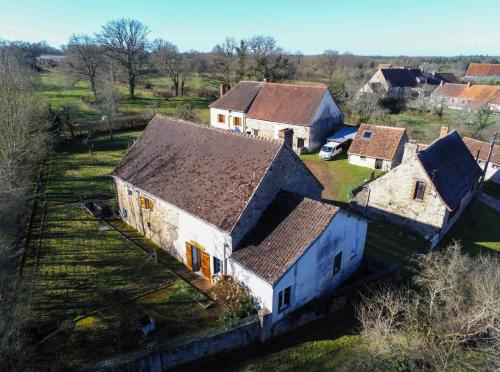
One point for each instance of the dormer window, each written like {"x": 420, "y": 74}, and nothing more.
{"x": 367, "y": 135}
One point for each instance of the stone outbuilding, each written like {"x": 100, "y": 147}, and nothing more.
{"x": 483, "y": 72}
{"x": 204, "y": 194}
{"x": 302, "y": 115}
{"x": 467, "y": 96}
{"x": 428, "y": 192}
{"x": 377, "y": 147}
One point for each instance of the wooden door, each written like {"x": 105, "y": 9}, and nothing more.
{"x": 205, "y": 265}
{"x": 189, "y": 257}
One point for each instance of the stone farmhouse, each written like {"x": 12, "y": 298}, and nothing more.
{"x": 467, "y": 96}
{"x": 428, "y": 192}
{"x": 483, "y": 72}
{"x": 377, "y": 147}
{"x": 228, "y": 203}
{"x": 304, "y": 116}
{"x": 402, "y": 82}
{"x": 479, "y": 151}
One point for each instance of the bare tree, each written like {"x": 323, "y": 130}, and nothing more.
{"x": 167, "y": 57}
{"x": 222, "y": 61}
{"x": 125, "y": 41}
{"x": 84, "y": 59}
{"x": 109, "y": 106}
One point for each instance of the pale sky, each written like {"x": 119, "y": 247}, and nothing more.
{"x": 377, "y": 27}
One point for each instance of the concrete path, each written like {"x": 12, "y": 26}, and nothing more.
{"x": 491, "y": 201}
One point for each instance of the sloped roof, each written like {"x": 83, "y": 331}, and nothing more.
{"x": 287, "y": 103}
{"x": 483, "y": 69}
{"x": 480, "y": 150}
{"x": 447, "y": 77}
{"x": 207, "y": 172}
{"x": 400, "y": 77}
{"x": 239, "y": 98}
{"x": 286, "y": 229}
{"x": 383, "y": 66}
{"x": 450, "y": 90}
{"x": 475, "y": 95}
{"x": 450, "y": 167}
{"x": 382, "y": 144}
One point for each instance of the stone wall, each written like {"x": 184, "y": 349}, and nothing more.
{"x": 270, "y": 129}
{"x": 287, "y": 172}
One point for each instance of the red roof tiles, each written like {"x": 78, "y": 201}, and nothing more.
{"x": 480, "y": 150}
{"x": 483, "y": 69}
{"x": 381, "y": 144}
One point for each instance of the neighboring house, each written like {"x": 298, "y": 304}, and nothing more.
{"x": 446, "y": 77}
{"x": 377, "y": 147}
{"x": 429, "y": 190}
{"x": 480, "y": 151}
{"x": 402, "y": 82}
{"x": 48, "y": 60}
{"x": 466, "y": 96}
{"x": 483, "y": 72}
{"x": 304, "y": 116}
{"x": 202, "y": 194}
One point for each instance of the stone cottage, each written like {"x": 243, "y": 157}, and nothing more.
{"x": 483, "y": 72}
{"x": 429, "y": 191}
{"x": 302, "y": 115}
{"x": 467, "y": 96}
{"x": 204, "y": 194}
{"x": 377, "y": 147}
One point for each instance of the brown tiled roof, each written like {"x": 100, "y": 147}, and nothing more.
{"x": 480, "y": 150}
{"x": 287, "y": 228}
{"x": 239, "y": 98}
{"x": 449, "y": 90}
{"x": 447, "y": 77}
{"x": 382, "y": 144}
{"x": 287, "y": 103}
{"x": 483, "y": 69}
{"x": 384, "y": 65}
{"x": 207, "y": 172}
{"x": 421, "y": 146}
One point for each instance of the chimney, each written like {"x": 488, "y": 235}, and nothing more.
{"x": 441, "y": 83}
{"x": 444, "y": 131}
{"x": 265, "y": 80}
{"x": 222, "y": 90}
{"x": 410, "y": 150}
{"x": 468, "y": 84}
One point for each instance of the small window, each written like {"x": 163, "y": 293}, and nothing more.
{"x": 149, "y": 225}
{"x": 146, "y": 203}
{"x": 124, "y": 213}
{"x": 255, "y": 132}
{"x": 300, "y": 142}
{"x": 284, "y": 298}
{"x": 336, "y": 263}
{"x": 217, "y": 265}
{"x": 129, "y": 192}
{"x": 236, "y": 121}
{"x": 367, "y": 134}
{"x": 363, "y": 157}
{"x": 419, "y": 190}
{"x": 221, "y": 119}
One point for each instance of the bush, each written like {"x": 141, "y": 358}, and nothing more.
{"x": 393, "y": 105}
{"x": 186, "y": 112}
{"x": 235, "y": 301}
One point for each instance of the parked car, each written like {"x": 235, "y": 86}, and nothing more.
{"x": 338, "y": 143}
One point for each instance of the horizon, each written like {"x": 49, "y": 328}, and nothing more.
{"x": 336, "y": 25}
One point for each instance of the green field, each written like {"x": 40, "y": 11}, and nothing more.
{"x": 338, "y": 177}
{"x": 93, "y": 282}
{"x": 59, "y": 90}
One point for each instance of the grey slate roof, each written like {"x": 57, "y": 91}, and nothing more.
{"x": 207, "y": 172}
{"x": 286, "y": 229}
{"x": 238, "y": 98}
{"x": 400, "y": 77}
{"x": 451, "y": 168}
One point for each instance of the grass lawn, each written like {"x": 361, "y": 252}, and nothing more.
{"x": 478, "y": 229}
{"x": 337, "y": 176}
{"x": 86, "y": 272}
{"x": 59, "y": 91}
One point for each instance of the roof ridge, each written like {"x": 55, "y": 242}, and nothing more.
{"x": 383, "y": 126}
{"x": 322, "y": 86}
{"x": 227, "y": 131}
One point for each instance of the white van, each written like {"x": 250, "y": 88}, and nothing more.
{"x": 329, "y": 150}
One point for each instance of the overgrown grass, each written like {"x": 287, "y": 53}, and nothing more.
{"x": 338, "y": 177}
{"x": 82, "y": 266}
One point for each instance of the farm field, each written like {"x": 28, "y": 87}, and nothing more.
{"x": 93, "y": 284}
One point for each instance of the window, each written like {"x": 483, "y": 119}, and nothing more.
{"x": 363, "y": 157}
{"x": 418, "y": 194}
{"x": 336, "y": 263}
{"x": 221, "y": 118}
{"x": 146, "y": 203}
{"x": 255, "y": 132}
{"x": 129, "y": 192}
{"x": 217, "y": 265}
{"x": 149, "y": 225}
{"x": 124, "y": 213}
{"x": 367, "y": 134}
{"x": 300, "y": 143}
{"x": 236, "y": 121}
{"x": 284, "y": 298}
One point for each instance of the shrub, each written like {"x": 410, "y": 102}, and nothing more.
{"x": 394, "y": 105}
{"x": 186, "y": 112}
{"x": 235, "y": 301}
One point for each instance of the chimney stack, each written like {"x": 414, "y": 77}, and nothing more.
{"x": 410, "y": 150}
{"x": 444, "y": 131}
{"x": 222, "y": 90}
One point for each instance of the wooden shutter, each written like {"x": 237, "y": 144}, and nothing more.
{"x": 143, "y": 202}
{"x": 189, "y": 257}
{"x": 205, "y": 265}
{"x": 150, "y": 204}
